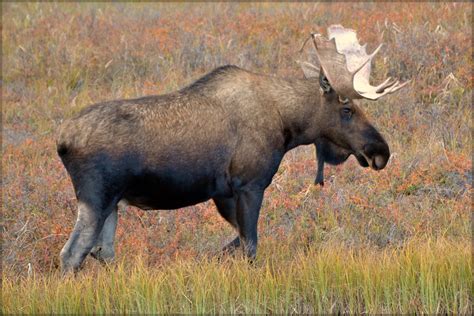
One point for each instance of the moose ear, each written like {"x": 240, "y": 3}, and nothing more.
{"x": 324, "y": 83}
{"x": 309, "y": 70}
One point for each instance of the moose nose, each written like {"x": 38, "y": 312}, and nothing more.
{"x": 378, "y": 154}
{"x": 380, "y": 162}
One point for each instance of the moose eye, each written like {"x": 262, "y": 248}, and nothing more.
{"x": 346, "y": 113}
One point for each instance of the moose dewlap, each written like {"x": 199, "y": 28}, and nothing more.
{"x": 221, "y": 138}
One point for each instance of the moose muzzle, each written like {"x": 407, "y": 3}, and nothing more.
{"x": 376, "y": 154}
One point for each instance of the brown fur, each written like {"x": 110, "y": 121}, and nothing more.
{"x": 220, "y": 138}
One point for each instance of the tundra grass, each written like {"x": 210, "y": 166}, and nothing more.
{"x": 60, "y": 57}
{"x": 431, "y": 276}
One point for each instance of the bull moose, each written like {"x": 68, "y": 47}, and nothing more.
{"x": 221, "y": 138}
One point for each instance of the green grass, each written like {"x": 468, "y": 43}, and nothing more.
{"x": 422, "y": 277}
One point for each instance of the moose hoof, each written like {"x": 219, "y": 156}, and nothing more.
{"x": 231, "y": 247}
{"x": 69, "y": 265}
{"x": 103, "y": 254}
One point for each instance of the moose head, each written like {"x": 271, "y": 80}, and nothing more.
{"x": 344, "y": 78}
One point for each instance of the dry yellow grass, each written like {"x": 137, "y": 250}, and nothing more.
{"x": 422, "y": 277}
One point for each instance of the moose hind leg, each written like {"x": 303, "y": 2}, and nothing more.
{"x": 104, "y": 248}
{"x": 90, "y": 220}
{"x": 227, "y": 207}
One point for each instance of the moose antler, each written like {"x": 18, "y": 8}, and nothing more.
{"x": 346, "y": 65}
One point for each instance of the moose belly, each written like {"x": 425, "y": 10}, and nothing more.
{"x": 160, "y": 191}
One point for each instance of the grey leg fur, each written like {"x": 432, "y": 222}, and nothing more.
{"x": 104, "y": 248}
{"x": 84, "y": 236}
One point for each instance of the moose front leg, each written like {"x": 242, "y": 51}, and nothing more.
{"x": 227, "y": 207}
{"x": 249, "y": 202}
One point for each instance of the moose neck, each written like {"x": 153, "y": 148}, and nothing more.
{"x": 299, "y": 107}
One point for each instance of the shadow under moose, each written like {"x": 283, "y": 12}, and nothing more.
{"x": 221, "y": 138}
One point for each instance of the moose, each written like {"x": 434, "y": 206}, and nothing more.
{"x": 221, "y": 138}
